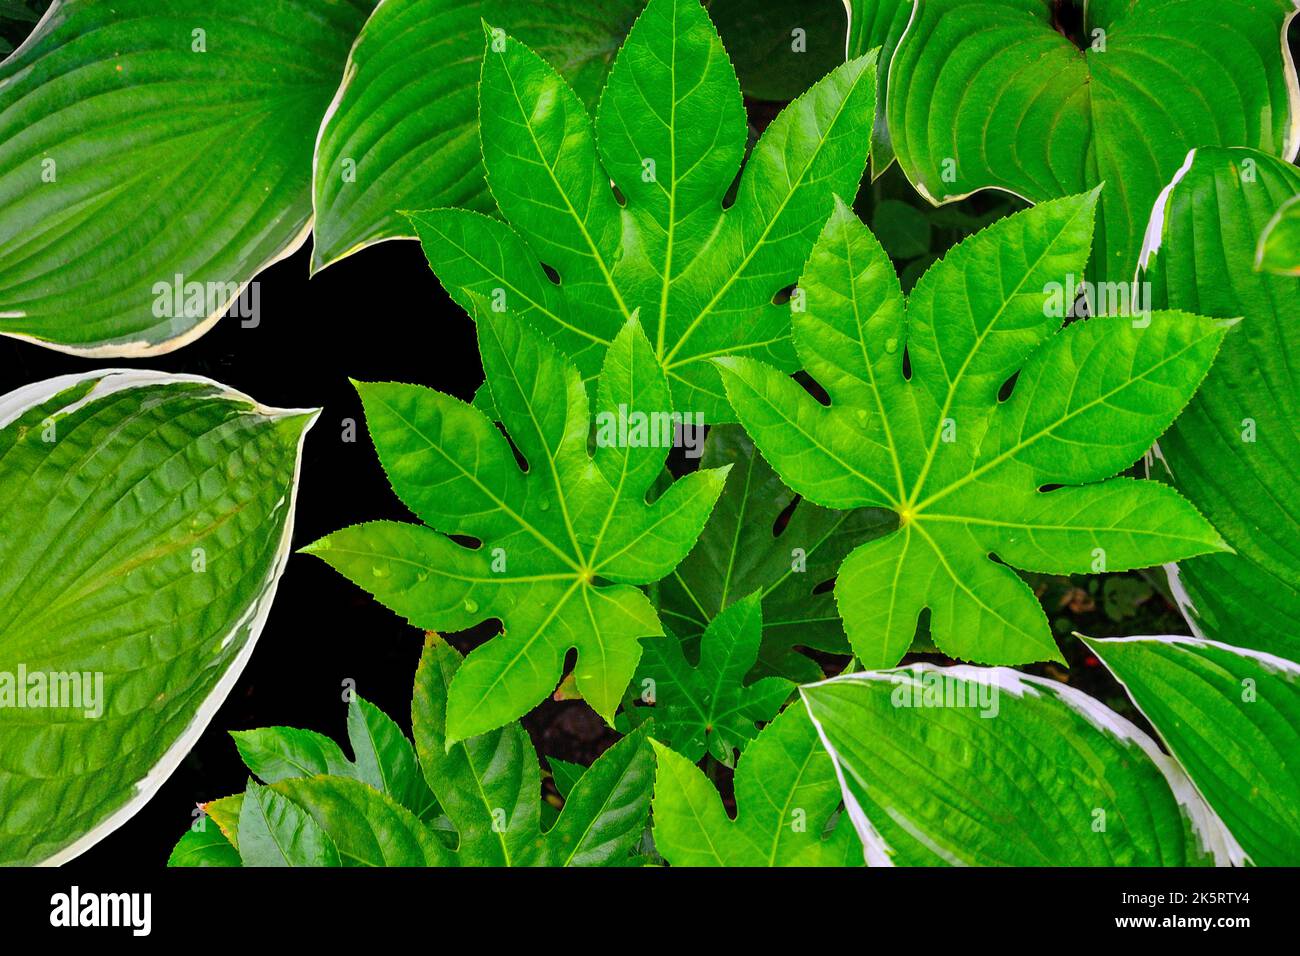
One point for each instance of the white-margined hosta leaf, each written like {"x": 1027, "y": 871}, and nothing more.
{"x": 1231, "y": 718}
{"x": 156, "y": 145}
{"x": 1279, "y": 246}
{"x": 991, "y": 767}
{"x": 144, "y": 523}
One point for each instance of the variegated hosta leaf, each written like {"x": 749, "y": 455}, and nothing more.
{"x": 144, "y": 523}
{"x": 990, "y": 767}
{"x": 754, "y": 542}
{"x": 787, "y": 805}
{"x": 488, "y": 790}
{"x": 711, "y": 705}
{"x": 1234, "y": 452}
{"x": 1279, "y": 246}
{"x": 670, "y": 132}
{"x": 558, "y": 549}
{"x": 1231, "y": 718}
{"x": 403, "y": 130}
{"x": 155, "y": 155}
{"x": 970, "y": 475}
{"x": 872, "y": 24}
{"x": 992, "y": 94}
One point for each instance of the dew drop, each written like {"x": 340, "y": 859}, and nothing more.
{"x": 379, "y": 571}
{"x": 891, "y": 346}
{"x": 544, "y": 505}
{"x": 471, "y": 606}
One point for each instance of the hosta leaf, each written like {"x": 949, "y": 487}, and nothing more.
{"x": 1231, "y": 718}
{"x": 144, "y": 523}
{"x": 558, "y": 548}
{"x": 154, "y": 157}
{"x": 204, "y": 847}
{"x": 781, "y": 47}
{"x": 402, "y": 132}
{"x": 963, "y": 470}
{"x": 1234, "y": 451}
{"x": 1279, "y": 246}
{"x": 670, "y": 133}
{"x": 990, "y": 767}
{"x": 872, "y": 24}
{"x": 991, "y": 94}
{"x": 490, "y": 786}
{"x": 754, "y": 542}
{"x": 786, "y": 800}
{"x": 275, "y": 831}
{"x": 712, "y": 705}
{"x": 384, "y": 758}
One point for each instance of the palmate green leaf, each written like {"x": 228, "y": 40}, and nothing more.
{"x": 781, "y": 47}
{"x": 670, "y": 134}
{"x": 1234, "y": 451}
{"x": 990, "y": 94}
{"x": 754, "y": 542}
{"x": 786, "y": 799}
{"x": 1279, "y": 246}
{"x": 878, "y": 24}
{"x": 712, "y": 706}
{"x": 402, "y": 132}
{"x": 963, "y": 470}
{"x": 1231, "y": 718}
{"x": 384, "y": 758}
{"x": 135, "y": 150}
{"x": 275, "y": 831}
{"x": 558, "y": 548}
{"x": 971, "y": 766}
{"x": 144, "y": 523}
{"x": 490, "y": 786}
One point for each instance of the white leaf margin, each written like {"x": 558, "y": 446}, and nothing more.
{"x": 1211, "y": 833}
{"x": 1270, "y": 662}
{"x": 109, "y": 382}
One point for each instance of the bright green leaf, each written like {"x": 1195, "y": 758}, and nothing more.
{"x": 964, "y": 470}
{"x": 1279, "y": 246}
{"x": 670, "y": 133}
{"x": 1234, "y": 452}
{"x": 144, "y": 523}
{"x": 872, "y": 24}
{"x": 990, "y": 767}
{"x": 275, "y": 831}
{"x": 558, "y": 548}
{"x": 205, "y": 847}
{"x": 154, "y": 158}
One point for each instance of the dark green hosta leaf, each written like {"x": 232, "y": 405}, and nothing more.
{"x": 963, "y": 470}
{"x": 384, "y": 758}
{"x": 786, "y": 799}
{"x": 275, "y": 831}
{"x": 490, "y": 786}
{"x": 781, "y": 47}
{"x": 712, "y": 705}
{"x": 990, "y": 94}
{"x": 403, "y": 130}
{"x": 745, "y": 548}
{"x": 151, "y": 146}
{"x": 558, "y": 549}
{"x": 1042, "y": 774}
{"x": 872, "y": 24}
{"x": 1231, "y": 718}
{"x": 1234, "y": 452}
{"x": 670, "y": 133}
{"x": 1279, "y": 246}
{"x": 144, "y": 523}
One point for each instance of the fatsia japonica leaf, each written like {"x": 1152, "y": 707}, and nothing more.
{"x": 970, "y": 766}
{"x": 1234, "y": 451}
{"x": 1231, "y": 718}
{"x": 1279, "y": 246}
{"x": 145, "y": 520}
{"x": 967, "y": 473}
{"x": 402, "y": 132}
{"x": 993, "y": 94}
{"x": 786, "y": 801}
{"x": 558, "y": 548}
{"x": 712, "y": 705}
{"x": 754, "y": 541}
{"x": 155, "y": 155}
{"x": 577, "y": 259}
{"x": 383, "y": 757}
